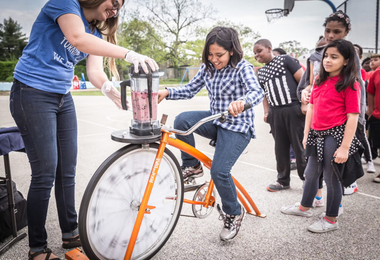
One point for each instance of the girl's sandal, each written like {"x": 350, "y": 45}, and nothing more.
{"x": 46, "y": 251}
{"x": 72, "y": 242}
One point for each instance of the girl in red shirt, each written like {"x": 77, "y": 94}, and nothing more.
{"x": 329, "y": 133}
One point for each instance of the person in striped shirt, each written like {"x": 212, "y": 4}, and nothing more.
{"x": 231, "y": 82}
{"x": 282, "y": 110}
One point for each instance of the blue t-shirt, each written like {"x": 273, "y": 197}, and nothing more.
{"x": 47, "y": 62}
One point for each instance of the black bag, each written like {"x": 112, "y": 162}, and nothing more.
{"x": 348, "y": 172}
{"x": 5, "y": 214}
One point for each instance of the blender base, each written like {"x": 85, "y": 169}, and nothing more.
{"x": 125, "y": 136}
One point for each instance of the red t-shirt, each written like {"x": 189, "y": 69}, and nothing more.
{"x": 331, "y": 107}
{"x": 368, "y": 74}
{"x": 373, "y": 88}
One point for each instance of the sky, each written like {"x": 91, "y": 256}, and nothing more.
{"x": 303, "y": 24}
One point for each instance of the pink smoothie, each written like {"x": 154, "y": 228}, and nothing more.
{"x": 140, "y": 106}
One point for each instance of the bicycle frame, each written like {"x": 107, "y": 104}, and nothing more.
{"x": 166, "y": 139}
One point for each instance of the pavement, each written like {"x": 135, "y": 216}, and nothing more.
{"x": 277, "y": 236}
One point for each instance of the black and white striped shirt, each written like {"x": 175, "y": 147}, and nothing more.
{"x": 277, "y": 79}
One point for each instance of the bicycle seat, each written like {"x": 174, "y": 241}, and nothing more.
{"x": 212, "y": 142}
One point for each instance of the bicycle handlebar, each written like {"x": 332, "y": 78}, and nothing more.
{"x": 221, "y": 116}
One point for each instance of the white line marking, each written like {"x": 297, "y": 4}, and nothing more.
{"x": 94, "y": 135}
{"x": 89, "y": 122}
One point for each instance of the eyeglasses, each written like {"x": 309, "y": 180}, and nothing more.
{"x": 116, "y": 6}
{"x": 218, "y": 56}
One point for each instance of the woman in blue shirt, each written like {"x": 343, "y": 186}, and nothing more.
{"x": 64, "y": 33}
{"x": 231, "y": 82}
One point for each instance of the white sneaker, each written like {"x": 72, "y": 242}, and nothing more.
{"x": 371, "y": 167}
{"x": 318, "y": 202}
{"x": 294, "y": 210}
{"x": 322, "y": 226}
{"x": 351, "y": 189}
{"x": 377, "y": 178}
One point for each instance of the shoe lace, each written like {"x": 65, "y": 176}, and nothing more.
{"x": 228, "y": 221}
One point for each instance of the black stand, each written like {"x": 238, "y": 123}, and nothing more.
{"x": 11, "y": 202}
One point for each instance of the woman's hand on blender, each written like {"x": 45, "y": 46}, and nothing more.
{"x": 162, "y": 94}
{"x": 136, "y": 59}
{"x": 109, "y": 90}
{"x": 236, "y": 107}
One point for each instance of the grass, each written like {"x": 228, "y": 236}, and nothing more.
{"x": 172, "y": 81}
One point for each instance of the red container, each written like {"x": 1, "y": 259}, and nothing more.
{"x": 75, "y": 82}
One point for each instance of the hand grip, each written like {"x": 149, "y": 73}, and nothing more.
{"x": 223, "y": 118}
{"x": 123, "y": 93}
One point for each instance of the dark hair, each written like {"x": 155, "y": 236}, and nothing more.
{"x": 341, "y": 17}
{"x": 280, "y": 50}
{"x": 227, "y": 38}
{"x": 264, "y": 42}
{"x": 349, "y": 73}
{"x": 365, "y": 60}
{"x": 107, "y": 28}
{"x": 360, "y": 49}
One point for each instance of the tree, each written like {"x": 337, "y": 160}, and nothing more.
{"x": 12, "y": 40}
{"x": 293, "y": 47}
{"x": 174, "y": 19}
{"x": 141, "y": 37}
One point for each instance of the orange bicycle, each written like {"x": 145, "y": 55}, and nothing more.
{"x": 132, "y": 203}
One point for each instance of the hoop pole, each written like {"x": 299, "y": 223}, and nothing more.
{"x": 330, "y": 4}
{"x": 145, "y": 199}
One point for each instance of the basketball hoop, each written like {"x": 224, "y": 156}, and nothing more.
{"x": 274, "y": 14}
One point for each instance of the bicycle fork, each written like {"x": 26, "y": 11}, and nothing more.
{"x": 144, "y": 208}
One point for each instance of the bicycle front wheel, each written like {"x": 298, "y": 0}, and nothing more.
{"x": 112, "y": 198}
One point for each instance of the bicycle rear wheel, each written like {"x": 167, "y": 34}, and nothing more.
{"x": 111, "y": 202}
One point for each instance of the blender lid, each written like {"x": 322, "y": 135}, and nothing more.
{"x": 141, "y": 73}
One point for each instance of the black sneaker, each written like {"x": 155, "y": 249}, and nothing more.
{"x": 192, "y": 172}
{"x": 231, "y": 225}
{"x": 293, "y": 165}
{"x": 277, "y": 187}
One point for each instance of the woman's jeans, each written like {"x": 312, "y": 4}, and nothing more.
{"x": 48, "y": 125}
{"x": 229, "y": 146}
{"x": 334, "y": 188}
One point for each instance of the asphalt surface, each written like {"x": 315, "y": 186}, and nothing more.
{"x": 277, "y": 236}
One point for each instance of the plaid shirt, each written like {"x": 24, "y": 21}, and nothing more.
{"x": 226, "y": 86}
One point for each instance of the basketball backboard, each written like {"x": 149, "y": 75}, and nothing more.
{"x": 288, "y": 6}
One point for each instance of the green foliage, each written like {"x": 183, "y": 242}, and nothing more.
{"x": 12, "y": 40}
{"x": 6, "y": 70}
{"x": 293, "y": 47}
{"x": 175, "y": 20}
{"x": 142, "y": 38}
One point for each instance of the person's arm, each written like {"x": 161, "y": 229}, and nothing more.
{"x": 254, "y": 92}
{"x": 98, "y": 78}
{"x": 306, "y": 130}
{"x": 73, "y": 28}
{"x": 298, "y": 75}
{"x": 371, "y": 104}
{"x": 341, "y": 154}
{"x": 266, "y": 109}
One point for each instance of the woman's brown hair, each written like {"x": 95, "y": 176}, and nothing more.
{"x": 107, "y": 29}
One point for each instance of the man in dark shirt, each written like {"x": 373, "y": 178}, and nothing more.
{"x": 282, "y": 109}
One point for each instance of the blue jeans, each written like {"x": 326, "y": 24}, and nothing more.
{"x": 334, "y": 188}
{"x": 48, "y": 126}
{"x": 228, "y": 148}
